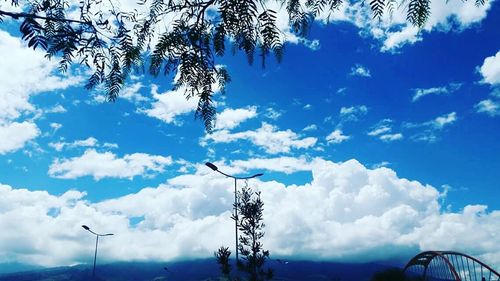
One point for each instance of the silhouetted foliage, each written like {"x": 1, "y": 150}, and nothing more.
{"x": 393, "y": 274}
{"x": 222, "y": 256}
{"x": 181, "y": 38}
{"x": 253, "y": 256}
{"x": 250, "y": 209}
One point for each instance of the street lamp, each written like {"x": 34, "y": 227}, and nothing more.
{"x": 97, "y": 235}
{"x": 214, "y": 168}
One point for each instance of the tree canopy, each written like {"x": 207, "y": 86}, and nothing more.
{"x": 182, "y": 38}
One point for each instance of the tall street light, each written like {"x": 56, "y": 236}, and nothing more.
{"x": 97, "y": 235}
{"x": 213, "y": 167}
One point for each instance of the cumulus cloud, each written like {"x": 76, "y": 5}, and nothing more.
{"x": 393, "y": 31}
{"x": 337, "y": 137}
{"x": 346, "y": 212}
{"x": 231, "y": 118}
{"x": 169, "y": 105}
{"x": 287, "y": 165}
{"x": 17, "y": 88}
{"x": 490, "y": 69}
{"x": 14, "y": 135}
{"x": 107, "y": 164}
{"x": 267, "y": 137}
{"x": 448, "y": 89}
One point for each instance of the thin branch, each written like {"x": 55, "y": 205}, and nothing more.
{"x": 33, "y": 16}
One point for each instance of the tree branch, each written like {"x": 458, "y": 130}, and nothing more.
{"x": 33, "y": 16}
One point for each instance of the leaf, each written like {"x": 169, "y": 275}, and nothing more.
{"x": 418, "y": 12}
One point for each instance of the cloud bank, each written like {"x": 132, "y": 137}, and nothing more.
{"x": 346, "y": 212}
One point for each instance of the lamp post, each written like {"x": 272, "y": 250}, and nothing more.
{"x": 97, "y": 235}
{"x": 214, "y": 168}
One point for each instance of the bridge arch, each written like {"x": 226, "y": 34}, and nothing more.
{"x": 450, "y": 265}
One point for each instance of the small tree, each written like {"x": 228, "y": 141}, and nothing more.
{"x": 222, "y": 256}
{"x": 251, "y": 208}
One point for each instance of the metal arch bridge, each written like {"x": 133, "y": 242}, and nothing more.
{"x": 449, "y": 265}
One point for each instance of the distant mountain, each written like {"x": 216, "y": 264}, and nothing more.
{"x": 198, "y": 270}
{"x": 16, "y": 267}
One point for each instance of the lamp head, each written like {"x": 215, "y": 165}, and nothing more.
{"x": 85, "y": 227}
{"x": 258, "y": 175}
{"x": 211, "y": 166}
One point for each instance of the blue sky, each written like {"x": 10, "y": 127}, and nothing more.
{"x": 353, "y": 111}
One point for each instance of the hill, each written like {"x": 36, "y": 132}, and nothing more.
{"x": 198, "y": 270}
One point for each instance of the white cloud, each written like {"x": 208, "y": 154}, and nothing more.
{"x": 17, "y": 87}
{"x": 437, "y": 123}
{"x": 56, "y": 126}
{"x": 490, "y": 70}
{"x": 231, "y": 118}
{"x": 131, "y": 93}
{"x": 393, "y": 31}
{"x": 311, "y": 127}
{"x": 341, "y": 91}
{"x": 14, "y": 135}
{"x": 17, "y": 60}
{"x": 444, "y": 120}
{"x": 432, "y": 127}
{"x": 287, "y": 165}
{"x": 360, "y": 70}
{"x": 56, "y": 109}
{"x": 391, "y": 137}
{"x": 102, "y": 165}
{"x": 337, "y": 137}
{"x": 488, "y": 106}
{"x": 88, "y": 142}
{"x": 450, "y": 88}
{"x": 110, "y": 145}
{"x": 353, "y": 113}
{"x": 395, "y": 40}
{"x": 273, "y": 114}
{"x": 311, "y": 44}
{"x": 379, "y": 130}
{"x": 382, "y": 130}
{"x": 169, "y": 105}
{"x": 97, "y": 99}
{"x": 347, "y": 212}
{"x": 267, "y": 137}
